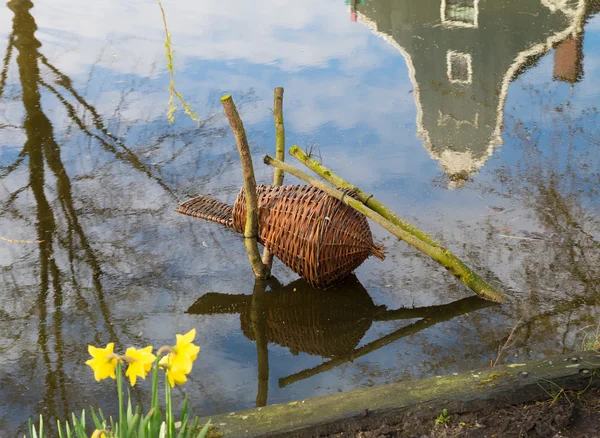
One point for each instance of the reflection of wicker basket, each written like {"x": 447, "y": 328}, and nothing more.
{"x": 301, "y": 318}
{"x": 314, "y": 234}
{"x": 327, "y": 324}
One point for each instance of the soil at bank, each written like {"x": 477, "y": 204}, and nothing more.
{"x": 571, "y": 415}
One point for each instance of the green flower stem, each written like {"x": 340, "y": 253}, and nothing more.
{"x": 122, "y": 417}
{"x": 156, "y": 415}
{"x": 169, "y": 407}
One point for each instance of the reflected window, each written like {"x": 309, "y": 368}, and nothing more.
{"x": 459, "y": 67}
{"x": 462, "y": 13}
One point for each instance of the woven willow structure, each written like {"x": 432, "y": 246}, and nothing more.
{"x": 317, "y": 236}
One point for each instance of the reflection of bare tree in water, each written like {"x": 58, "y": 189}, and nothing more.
{"x": 42, "y": 153}
{"x": 557, "y": 179}
{"x": 561, "y": 191}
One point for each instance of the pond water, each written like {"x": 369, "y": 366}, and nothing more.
{"x": 476, "y": 120}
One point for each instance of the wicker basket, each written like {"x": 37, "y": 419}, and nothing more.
{"x": 317, "y": 236}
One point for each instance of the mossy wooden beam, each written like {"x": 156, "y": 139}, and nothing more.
{"x": 251, "y": 229}
{"x": 411, "y": 401}
{"x": 437, "y": 253}
{"x": 278, "y": 174}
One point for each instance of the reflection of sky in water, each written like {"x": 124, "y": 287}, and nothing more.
{"x": 347, "y": 91}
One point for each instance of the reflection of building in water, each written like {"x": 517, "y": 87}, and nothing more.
{"x": 568, "y": 59}
{"x": 353, "y": 4}
{"x": 462, "y": 55}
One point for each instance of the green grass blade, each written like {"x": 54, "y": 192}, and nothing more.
{"x": 97, "y": 423}
{"x": 182, "y": 427}
{"x": 32, "y": 431}
{"x": 129, "y": 410}
{"x": 59, "y": 429}
{"x": 184, "y": 409}
{"x": 204, "y": 430}
{"x": 195, "y": 424}
{"x": 143, "y": 427}
{"x": 131, "y": 426}
{"x": 112, "y": 423}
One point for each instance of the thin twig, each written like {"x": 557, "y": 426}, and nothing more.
{"x": 505, "y": 346}
{"x": 520, "y": 238}
{"x": 172, "y": 90}
{"x": 20, "y": 241}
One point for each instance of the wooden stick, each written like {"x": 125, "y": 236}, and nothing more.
{"x": 279, "y": 134}
{"x": 259, "y": 329}
{"x": 378, "y": 207}
{"x": 278, "y": 174}
{"x": 365, "y": 198}
{"x": 251, "y": 228}
{"x": 437, "y": 253}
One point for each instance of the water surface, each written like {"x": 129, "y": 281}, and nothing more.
{"x": 476, "y": 120}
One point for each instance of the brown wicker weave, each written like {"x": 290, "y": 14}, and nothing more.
{"x": 205, "y": 207}
{"x": 317, "y": 236}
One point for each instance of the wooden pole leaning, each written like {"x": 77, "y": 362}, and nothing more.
{"x": 436, "y": 252}
{"x": 365, "y": 198}
{"x": 278, "y": 174}
{"x": 372, "y": 203}
{"x": 251, "y": 228}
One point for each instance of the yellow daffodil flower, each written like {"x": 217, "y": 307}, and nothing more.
{"x": 99, "y": 434}
{"x": 140, "y": 362}
{"x": 103, "y": 361}
{"x": 179, "y": 362}
{"x": 176, "y": 369}
{"x": 184, "y": 346}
